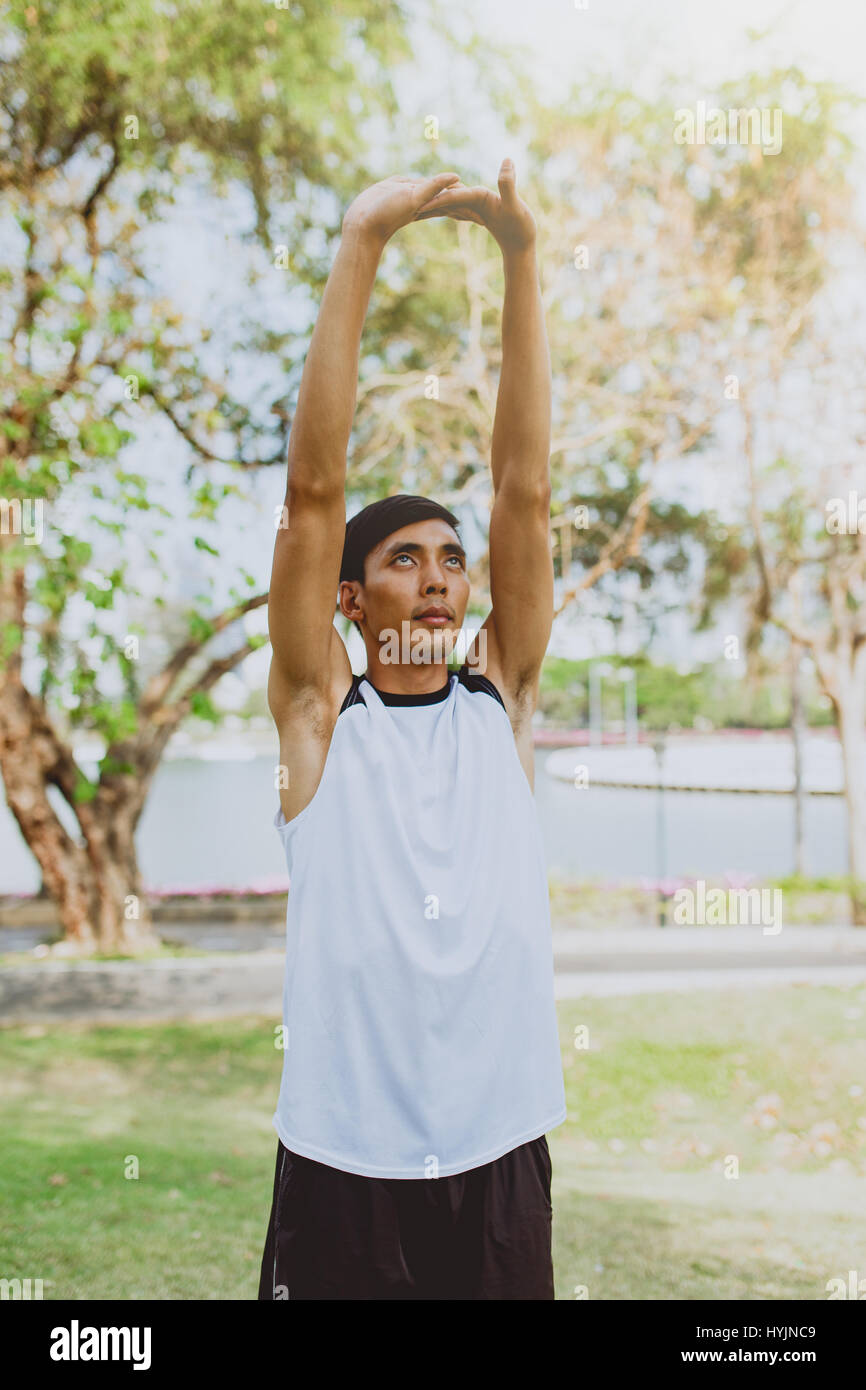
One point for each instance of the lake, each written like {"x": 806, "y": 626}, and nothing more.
{"x": 211, "y": 823}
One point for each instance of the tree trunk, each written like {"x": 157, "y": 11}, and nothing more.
{"x": 118, "y": 903}
{"x": 95, "y": 882}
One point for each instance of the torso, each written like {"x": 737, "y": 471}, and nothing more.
{"x": 418, "y": 988}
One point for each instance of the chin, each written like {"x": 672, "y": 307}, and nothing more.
{"x": 413, "y": 643}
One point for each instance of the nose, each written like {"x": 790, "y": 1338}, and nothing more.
{"x": 441, "y": 586}
{"x": 435, "y": 578}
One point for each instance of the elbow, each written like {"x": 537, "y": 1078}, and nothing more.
{"x": 304, "y": 485}
{"x": 530, "y": 496}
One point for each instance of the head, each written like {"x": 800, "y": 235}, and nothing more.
{"x": 402, "y": 555}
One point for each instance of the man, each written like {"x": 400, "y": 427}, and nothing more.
{"x": 422, "y": 1065}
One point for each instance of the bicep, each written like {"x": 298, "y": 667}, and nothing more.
{"x": 303, "y": 591}
{"x": 521, "y": 586}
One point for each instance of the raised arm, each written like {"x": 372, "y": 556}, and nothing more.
{"x": 308, "y": 654}
{"x": 521, "y": 566}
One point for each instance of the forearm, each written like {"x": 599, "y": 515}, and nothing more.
{"x": 323, "y": 419}
{"x": 520, "y": 451}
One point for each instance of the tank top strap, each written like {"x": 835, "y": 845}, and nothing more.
{"x": 473, "y": 681}
{"x": 353, "y": 694}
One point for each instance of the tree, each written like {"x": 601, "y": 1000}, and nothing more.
{"x": 784, "y": 232}
{"x": 808, "y": 523}
{"x": 105, "y": 111}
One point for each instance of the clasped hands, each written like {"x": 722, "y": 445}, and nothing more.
{"x": 394, "y": 202}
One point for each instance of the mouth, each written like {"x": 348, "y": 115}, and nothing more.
{"x": 434, "y": 617}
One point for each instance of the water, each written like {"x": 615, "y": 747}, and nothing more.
{"x": 211, "y": 823}
{"x": 601, "y": 832}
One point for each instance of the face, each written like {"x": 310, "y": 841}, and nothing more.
{"x": 419, "y": 567}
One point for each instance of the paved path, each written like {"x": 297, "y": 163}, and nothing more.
{"x": 653, "y": 960}
{"x": 707, "y": 948}
{"x": 569, "y": 985}
{"x": 638, "y": 961}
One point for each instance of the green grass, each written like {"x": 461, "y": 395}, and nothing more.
{"x": 597, "y": 905}
{"x": 683, "y": 1074}
{"x": 632, "y": 1219}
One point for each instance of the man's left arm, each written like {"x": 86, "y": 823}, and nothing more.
{"x": 521, "y": 564}
{"x": 517, "y": 629}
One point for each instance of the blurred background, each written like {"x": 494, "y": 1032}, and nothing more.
{"x": 173, "y": 179}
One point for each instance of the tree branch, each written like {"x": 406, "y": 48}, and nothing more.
{"x": 171, "y": 715}
{"x": 159, "y": 684}
{"x": 201, "y": 449}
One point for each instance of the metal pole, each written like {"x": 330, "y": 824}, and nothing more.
{"x": 631, "y": 730}
{"x": 798, "y": 725}
{"x": 595, "y": 704}
{"x": 661, "y": 847}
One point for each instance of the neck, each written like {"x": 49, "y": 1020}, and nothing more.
{"x": 407, "y": 679}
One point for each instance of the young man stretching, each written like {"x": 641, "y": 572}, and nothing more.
{"x": 422, "y": 1065}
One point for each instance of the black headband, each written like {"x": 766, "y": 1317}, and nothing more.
{"x": 376, "y": 521}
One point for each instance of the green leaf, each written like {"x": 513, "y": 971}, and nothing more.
{"x": 202, "y": 706}
{"x": 84, "y": 790}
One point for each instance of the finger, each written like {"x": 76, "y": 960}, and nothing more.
{"x": 430, "y": 187}
{"x": 508, "y": 182}
{"x": 436, "y": 210}
{"x": 457, "y": 215}
{"x": 459, "y": 197}
{"x": 436, "y": 199}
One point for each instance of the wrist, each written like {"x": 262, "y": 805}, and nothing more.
{"x": 359, "y": 234}
{"x": 519, "y": 257}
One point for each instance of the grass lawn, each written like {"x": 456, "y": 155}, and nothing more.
{"x": 664, "y": 1095}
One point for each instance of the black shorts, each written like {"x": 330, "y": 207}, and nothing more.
{"x": 482, "y": 1234}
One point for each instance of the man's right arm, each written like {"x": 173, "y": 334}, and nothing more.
{"x": 309, "y": 543}
{"x": 309, "y": 657}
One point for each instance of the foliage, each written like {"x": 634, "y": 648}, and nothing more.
{"x": 711, "y": 696}
{"x": 109, "y": 111}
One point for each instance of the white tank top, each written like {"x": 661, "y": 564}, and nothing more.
{"x": 418, "y": 996}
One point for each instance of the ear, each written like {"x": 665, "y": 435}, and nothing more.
{"x": 347, "y": 600}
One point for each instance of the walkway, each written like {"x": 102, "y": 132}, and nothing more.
{"x": 639, "y": 961}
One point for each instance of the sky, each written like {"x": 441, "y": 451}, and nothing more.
{"x": 640, "y": 39}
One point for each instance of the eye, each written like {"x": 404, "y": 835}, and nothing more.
{"x": 404, "y": 555}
